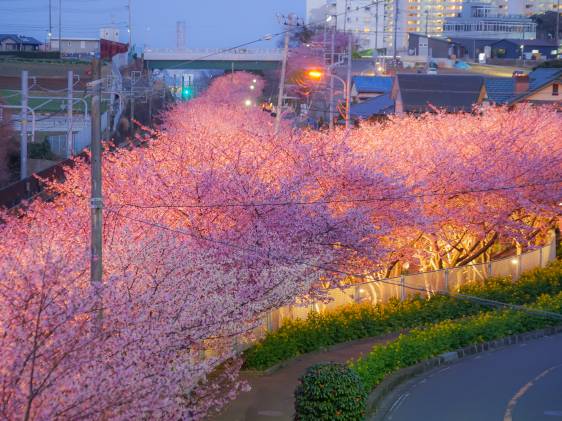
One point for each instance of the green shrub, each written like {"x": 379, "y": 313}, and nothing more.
{"x": 330, "y": 391}
{"x": 358, "y": 321}
{"x": 422, "y": 344}
{"x": 351, "y": 322}
{"x": 526, "y": 290}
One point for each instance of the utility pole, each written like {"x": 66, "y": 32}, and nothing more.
{"x": 283, "y": 74}
{"x": 132, "y": 122}
{"x": 70, "y": 116}
{"x": 348, "y": 86}
{"x": 377, "y": 29}
{"x": 130, "y": 26}
{"x": 96, "y": 202}
{"x": 426, "y": 23}
{"x": 23, "y": 123}
{"x": 395, "y": 30}
{"x": 60, "y": 26}
{"x": 557, "y": 35}
{"x": 50, "y": 26}
{"x": 332, "y": 62}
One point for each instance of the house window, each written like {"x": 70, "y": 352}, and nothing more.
{"x": 82, "y": 44}
{"x": 555, "y": 88}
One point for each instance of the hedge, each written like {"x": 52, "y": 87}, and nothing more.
{"x": 449, "y": 335}
{"x": 358, "y": 321}
{"x": 419, "y": 345}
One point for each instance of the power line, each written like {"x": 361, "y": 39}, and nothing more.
{"x": 291, "y": 29}
{"x": 260, "y": 252}
{"x": 336, "y": 201}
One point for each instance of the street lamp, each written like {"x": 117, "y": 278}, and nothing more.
{"x": 248, "y": 103}
{"x": 316, "y": 74}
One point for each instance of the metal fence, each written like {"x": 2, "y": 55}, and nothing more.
{"x": 380, "y": 291}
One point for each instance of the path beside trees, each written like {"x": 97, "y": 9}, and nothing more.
{"x": 271, "y": 397}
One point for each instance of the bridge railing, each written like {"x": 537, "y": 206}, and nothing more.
{"x": 213, "y": 51}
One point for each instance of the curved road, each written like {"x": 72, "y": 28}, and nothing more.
{"x": 520, "y": 383}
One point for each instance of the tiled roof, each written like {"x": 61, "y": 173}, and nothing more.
{"x": 501, "y": 90}
{"x": 422, "y": 93}
{"x": 530, "y": 42}
{"x": 20, "y": 39}
{"x": 542, "y": 75}
{"x": 372, "y": 84}
{"x": 379, "y": 105}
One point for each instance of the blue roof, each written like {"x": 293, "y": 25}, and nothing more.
{"x": 373, "y": 84}
{"x": 20, "y": 39}
{"x": 379, "y": 105}
{"x": 501, "y": 90}
{"x": 542, "y": 75}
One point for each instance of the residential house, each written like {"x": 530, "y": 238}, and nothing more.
{"x": 367, "y": 87}
{"x": 11, "y": 42}
{"x": 528, "y": 49}
{"x": 76, "y": 46}
{"x": 420, "y": 93}
{"x": 541, "y": 86}
{"x": 373, "y": 108}
{"x": 423, "y": 45}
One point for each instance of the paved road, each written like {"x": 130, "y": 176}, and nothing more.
{"x": 519, "y": 383}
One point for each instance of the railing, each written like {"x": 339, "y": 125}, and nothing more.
{"x": 447, "y": 280}
{"x": 215, "y": 50}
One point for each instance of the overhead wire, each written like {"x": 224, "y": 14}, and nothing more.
{"x": 267, "y": 255}
{"x": 339, "y": 201}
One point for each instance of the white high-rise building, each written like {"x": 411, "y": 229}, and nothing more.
{"x": 376, "y": 26}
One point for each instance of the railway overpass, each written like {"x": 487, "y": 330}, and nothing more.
{"x": 213, "y": 59}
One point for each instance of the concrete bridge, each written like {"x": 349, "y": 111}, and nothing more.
{"x": 238, "y": 59}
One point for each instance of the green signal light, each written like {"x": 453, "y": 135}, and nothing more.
{"x": 187, "y": 93}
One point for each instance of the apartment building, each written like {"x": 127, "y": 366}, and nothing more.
{"x": 386, "y": 24}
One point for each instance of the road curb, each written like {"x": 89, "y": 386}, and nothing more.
{"x": 381, "y": 399}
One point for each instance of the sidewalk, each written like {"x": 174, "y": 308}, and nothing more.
{"x": 271, "y": 397}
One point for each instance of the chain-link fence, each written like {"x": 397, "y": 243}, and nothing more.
{"x": 447, "y": 280}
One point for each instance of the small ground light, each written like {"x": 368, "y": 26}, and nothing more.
{"x": 252, "y": 87}
{"x": 514, "y": 261}
{"x": 255, "y": 81}
{"x": 248, "y": 103}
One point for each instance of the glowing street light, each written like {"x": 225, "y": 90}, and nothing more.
{"x": 248, "y": 103}
{"x": 252, "y": 87}
{"x": 315, "y": 74}
{"x": 255, "y": 81}
{"x": 329, "y": 18}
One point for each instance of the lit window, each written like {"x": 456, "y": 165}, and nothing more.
{"x": 555, "y": 88}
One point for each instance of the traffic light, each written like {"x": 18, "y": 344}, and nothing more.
{"x": 187, "y": 92}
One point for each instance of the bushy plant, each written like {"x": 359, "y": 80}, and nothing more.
{"x": 528, "y": 288}
{"x": 351, "y": 322}
{"x": 422, "y": 344}
{"x": 358, "y": 321}
{"x": 330, "y": 391}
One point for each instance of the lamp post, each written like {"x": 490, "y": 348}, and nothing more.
{"x": 332, "y": 60}
{"x": 318, "y": 75}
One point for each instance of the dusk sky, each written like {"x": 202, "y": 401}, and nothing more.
{"x": 209, "y": 23}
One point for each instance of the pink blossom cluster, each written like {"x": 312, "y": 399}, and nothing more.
{"x": 214, "y": 220}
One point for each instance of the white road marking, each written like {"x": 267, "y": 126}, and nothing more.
{"x": 553, "y": 413}
{"x": 397, "y": 404}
